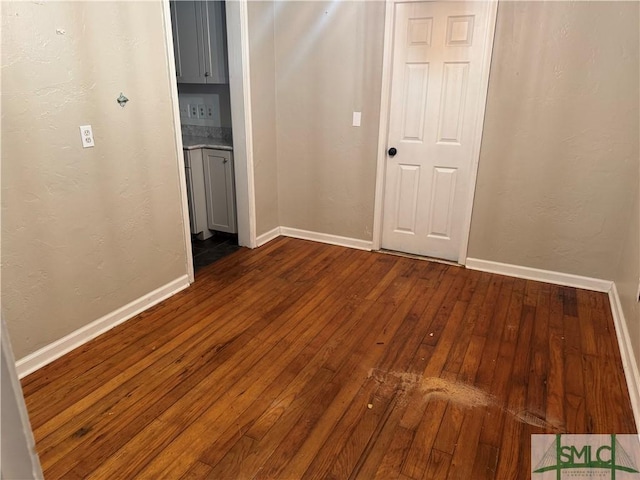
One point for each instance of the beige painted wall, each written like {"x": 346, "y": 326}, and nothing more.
{"x": 328, "y": 65}
{"x": 559, "y": 159}
{"x": 263, "y": 113}
{"x": 627, "y": 276}
{"x": 84, "y": 231}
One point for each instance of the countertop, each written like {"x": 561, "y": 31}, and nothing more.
{"x": 191, "y": 142}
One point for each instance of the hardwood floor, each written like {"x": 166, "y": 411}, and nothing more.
{"x": 304, "y": 360}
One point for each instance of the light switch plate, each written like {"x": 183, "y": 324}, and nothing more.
{"x": 356, "y": 118}
{"x": 86, "y": 133}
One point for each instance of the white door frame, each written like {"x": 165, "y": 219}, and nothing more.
{"x": 385, "y": 99}
{"x": 19, "y": 457}
{"x": 177, "y": 127}
{"x": 240, "y": 92}
{"x": 241, "y": 122}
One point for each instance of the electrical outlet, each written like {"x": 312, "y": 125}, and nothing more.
{"x": 202, "y": 111}
{"x": 184, "y": 110}
{"x": 193, "y": 111}
{"x": 86, "y": 134}
{"x": 209, "y": 111}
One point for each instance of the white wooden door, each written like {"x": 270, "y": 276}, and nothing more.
{"x": 438, "y": 92}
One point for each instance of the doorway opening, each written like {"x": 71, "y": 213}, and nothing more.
{"x": 210, "y": 96}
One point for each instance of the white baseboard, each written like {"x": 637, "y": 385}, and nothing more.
{"x": 267, "y": 236}
{"x": 51, "y": 352}
{"x": 631, "y": 368}
{"x": 327, "y": 238}
{"x": 313, "y": 236}
{"x": 556, "y": 278}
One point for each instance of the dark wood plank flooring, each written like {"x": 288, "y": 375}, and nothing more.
{"x": 304, "y": 360}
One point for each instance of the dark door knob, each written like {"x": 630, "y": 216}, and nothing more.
{"x": 392, "y": 152}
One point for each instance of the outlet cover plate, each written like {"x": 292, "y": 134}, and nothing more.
{"x": 86, "y": 134}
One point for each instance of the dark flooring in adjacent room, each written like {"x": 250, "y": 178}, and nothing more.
{"x": 206, "y": 252}
{"x": 299, "y": 360}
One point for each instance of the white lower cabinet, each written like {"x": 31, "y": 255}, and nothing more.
{"x": 220, "y": 190}
{"x": 211, "y": 192}
{"x": 196, "y": 193}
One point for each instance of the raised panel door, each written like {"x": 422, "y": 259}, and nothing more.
{"x": 436, "y": 99}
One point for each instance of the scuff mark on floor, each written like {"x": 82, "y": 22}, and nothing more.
{"x": 459, "y": 393}
{"x": 536, "y": 420}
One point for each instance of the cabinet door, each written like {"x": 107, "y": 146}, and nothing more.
{"x": 215, "y": 42}
{"x": 197, "y": 194}
{"x": 220, "y": 190}
{"x": 190, "y": 201}
{"x": 188, "y": 39}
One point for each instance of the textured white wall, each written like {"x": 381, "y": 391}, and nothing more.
{"x": 84, "y": 231}
{"x": 328, "y": 64}
{"x": 559, "y": 159}
{"x": 627, "y": 276}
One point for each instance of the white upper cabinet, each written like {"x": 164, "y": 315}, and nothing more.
{"x": 200, "y": 41}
